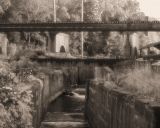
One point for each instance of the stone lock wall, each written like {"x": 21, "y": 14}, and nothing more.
{"x": 103, "y": 73}
{"x": 56, "y": 85}
{"x": 3, "y": 44}
{"x": 109, "y": 107}
{"x": 43, "y": 94}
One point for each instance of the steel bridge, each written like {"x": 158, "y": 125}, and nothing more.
{"x": 81, "y": 26}
{"x": 60, "y": 61}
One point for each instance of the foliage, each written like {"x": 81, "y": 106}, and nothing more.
{"x": 4, "y": 6}
{"x": 123, "y": 10}
{"x": 70, "y": 10}
{"x": 139, "y": 81}
{"x": 16, "y": 105}
{"x": 107, "y": 11}
{"x": 16, "y": 97}
{"x": 22, "y": 66}
{"x": 31, "y": 11}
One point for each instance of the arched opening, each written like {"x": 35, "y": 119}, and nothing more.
{"x": 62, "y": 49}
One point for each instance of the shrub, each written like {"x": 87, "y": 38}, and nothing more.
{"x": 15, "y": 100}
{"x": 140, "y": 81}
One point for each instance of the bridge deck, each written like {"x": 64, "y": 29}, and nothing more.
{"x": 115, "y": 26}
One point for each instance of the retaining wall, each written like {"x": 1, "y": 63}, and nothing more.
{"x": 153, "y": 65}
{"x": 43, "y": 94}
{"x": 109, "y": 107}
{"x": 74, "y": 74}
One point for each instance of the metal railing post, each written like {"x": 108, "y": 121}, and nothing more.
{"x": 55, "y": 15}
{"x": 82, "y": 34}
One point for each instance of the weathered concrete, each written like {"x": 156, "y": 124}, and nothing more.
{"x": 156, "y": 67}
{"x": 52, "y": 87}
{"x": 73, "y": 74}
{"x": 109, "y": 107}
{"x": 56, "y": 86}
{"x": 153, "y": 65}
{"x": 85, "y": 73}
{"x": 143, "y": 63}
{"x": 66, "y": 112}
{"x": 3, "y": 44}
{"x": 77, "y": 71}
{"x": 103, "y": 73}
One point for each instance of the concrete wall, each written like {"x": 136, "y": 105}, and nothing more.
{"x": 3, "y": 44}
{"x": 103, "y": 73}
{"x": 153, "y": 65}
{"x": 109, "y": 107}
{"x": 85, "y": 73}
{"x": 74, "y": 73}
{"x": 43, "y": 94}
{"x": 143, "y": 64}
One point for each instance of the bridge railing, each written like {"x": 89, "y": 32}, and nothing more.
{"x": 83, "y": 26}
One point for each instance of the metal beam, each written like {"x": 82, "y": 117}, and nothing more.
{"x": 82, "y": 20}
{"x": 102, "y": 61}
{"x": 149, "y": 26}
{"x": 55, "y": 13}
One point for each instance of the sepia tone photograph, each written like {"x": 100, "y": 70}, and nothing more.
{"x": 79, "y": 63}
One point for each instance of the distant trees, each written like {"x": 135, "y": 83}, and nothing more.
{"x": 70, "y": 10}
{"x": 31, "y": 11}
{"x": 120, "y": 10}
{"x": 4, "y": 6}
{"x": 92, "y": 11}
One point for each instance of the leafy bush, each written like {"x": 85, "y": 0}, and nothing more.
{"x": 140, "y": 81}
{"x": 15, "y": 100}
{"x": 22, "y": 66}
{"x": 27, "y": 54}
{"x": 17, "y": 107}
{"x": 6, "y": 78}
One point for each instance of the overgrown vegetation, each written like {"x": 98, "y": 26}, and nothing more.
{"x": 142, "y": 82}
{"x": 16, "y": 97}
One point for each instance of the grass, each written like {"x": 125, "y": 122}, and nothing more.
{"x": 140, "y": 81}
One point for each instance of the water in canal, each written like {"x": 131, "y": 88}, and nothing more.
{"x": 67, "y": 111}
{"x": 68, "y": 103}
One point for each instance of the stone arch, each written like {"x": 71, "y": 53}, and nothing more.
{"x": 62, "y": 49}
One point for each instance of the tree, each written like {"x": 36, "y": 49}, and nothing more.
{"x": 31, "y": 11}
{"x": 120, "y": 10}
{"x": 70, "y": 10}
{"x": 4, "y": 6}
{"x": 92, "y": 11}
